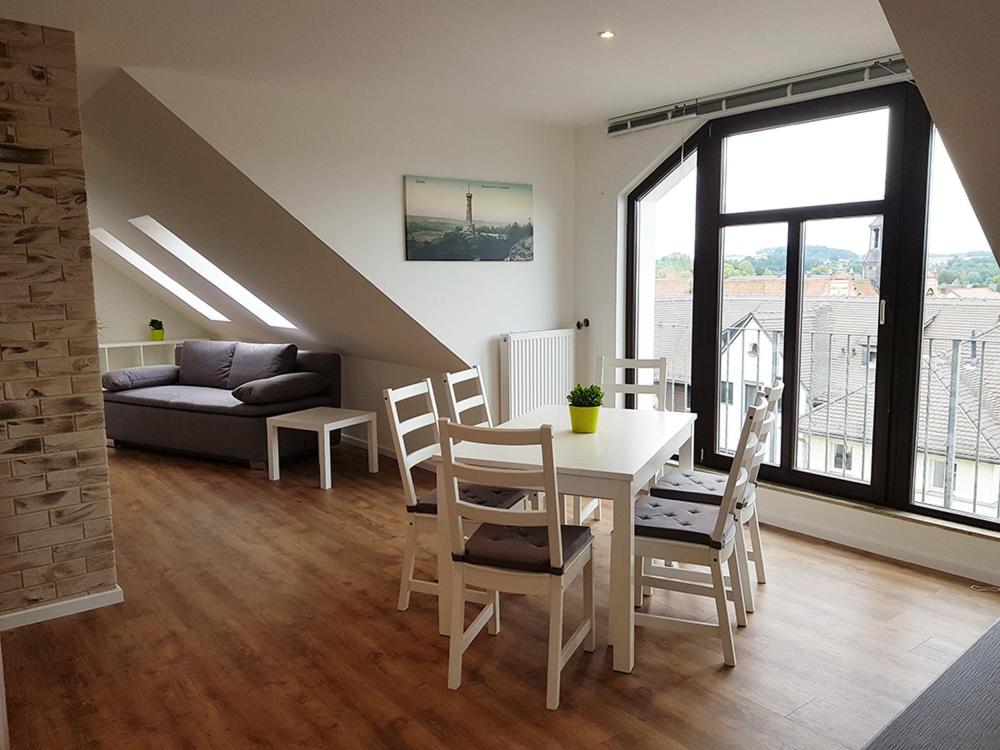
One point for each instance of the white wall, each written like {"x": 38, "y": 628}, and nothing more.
{"x": 124, "y": 308}
{"x": 606, "y": 169}
{"x": 337, "y": 165}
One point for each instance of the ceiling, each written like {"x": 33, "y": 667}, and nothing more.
{"x": 531, "y": 60}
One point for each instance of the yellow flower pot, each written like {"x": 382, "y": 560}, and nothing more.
{"x": 156, "y": 334}
{"x": 584, "y": 418}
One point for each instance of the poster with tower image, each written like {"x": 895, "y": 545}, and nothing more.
{"x": 450, "y": 219}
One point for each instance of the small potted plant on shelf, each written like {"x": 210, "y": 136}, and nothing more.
{"x": 155, "y": 329}
{"x": 585, "y": 407}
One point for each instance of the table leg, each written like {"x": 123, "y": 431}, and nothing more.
{"x": 273, "y": 472}
{"x": 685, "y": 458}
{"x": 372, "y": 446}
{"x": 622, "y": 581}
{"x": 324, "y": 459}
{"x": 444, "y": 558}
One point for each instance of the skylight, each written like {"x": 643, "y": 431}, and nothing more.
{"x": 126, "y": 253}
{"x": 203, "y": 266}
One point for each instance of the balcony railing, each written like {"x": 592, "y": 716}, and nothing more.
{"x": 957, "y": 462}
{"x": 958, "y": 426}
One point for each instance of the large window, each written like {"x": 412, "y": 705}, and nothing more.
{"x": 752, "y": 322}
{"x": 957, "y": 464}
{"x": 838, "y": 331}
{"x": 665, "y": 276}
{"x": 791, "y": 248}
{"x": 830, "y": 160}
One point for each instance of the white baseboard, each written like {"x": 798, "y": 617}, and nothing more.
{"x": 951, "y": 548}
{"x": 359, "y": 442}
{"x": 62, "y": 608}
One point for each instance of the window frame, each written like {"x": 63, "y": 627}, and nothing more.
{"x": 904, "y": 212}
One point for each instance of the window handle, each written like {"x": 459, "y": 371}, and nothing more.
{"x": 881, "y": 312}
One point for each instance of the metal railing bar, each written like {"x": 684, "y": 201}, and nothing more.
{"x": 829, "y": 402}
{"x": 927, "y": 417}
{"x": 979, "y": 427}
{"x": 847, "y": 399}
{"x": 864, "y": 416}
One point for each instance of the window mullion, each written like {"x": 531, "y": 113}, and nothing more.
{"x": 793, "y": 298}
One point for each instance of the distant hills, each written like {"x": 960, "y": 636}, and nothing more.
{"x": 972, "y": 269}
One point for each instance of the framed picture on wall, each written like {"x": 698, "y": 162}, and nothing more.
{"x": 448, "y": 219}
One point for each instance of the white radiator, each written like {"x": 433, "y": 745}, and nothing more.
{"x": 536, "y": 369}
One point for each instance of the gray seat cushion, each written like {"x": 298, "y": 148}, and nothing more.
{"x": 206, "y": 363}
{"x": 209, "y": 400}
{"x": 691, "y": 486}
{"x": 679, "y": 521}
{"x": 521, "y": 548}
{"x": 491, "y": 497}
{"x": 258, "y": 361}
{"x": 697, "y": 487}
{"x": 287, "y": 387}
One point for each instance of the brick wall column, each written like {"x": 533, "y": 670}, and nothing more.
{"x": 55, "y": 506}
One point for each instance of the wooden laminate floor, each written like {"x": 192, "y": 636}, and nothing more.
{"x": 262, "y": 615}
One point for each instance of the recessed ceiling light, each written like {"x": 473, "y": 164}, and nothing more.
{"x": 131, "y": 256}
{"x": 606, "y": 34}
{"x": 202, "y": 265}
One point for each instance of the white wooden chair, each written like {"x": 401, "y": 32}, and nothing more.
{"x": 702, "y": 535}
{"x": 515, "y": 551}
{"x": 476, "y": 403}
{"x": 421, "y": 509}
{"x": 607, "y": 378}
{"x": 457, "y": 407}
{"x": 705, "y": 487}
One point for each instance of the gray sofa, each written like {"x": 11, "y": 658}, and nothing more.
{"x": 215, "y": 400}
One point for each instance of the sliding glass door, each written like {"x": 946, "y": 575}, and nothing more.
{"x": 791, "y": 232}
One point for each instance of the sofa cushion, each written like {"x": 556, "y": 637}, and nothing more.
{"x": 139, "y": 377}
{"x": 210, "y": 400}
{"x": 206, "y": 363}
{"x": 256, "y": 361}
{"x": 287, "y": 387}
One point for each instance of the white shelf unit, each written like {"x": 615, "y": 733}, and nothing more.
{"x": 138, "y": 346}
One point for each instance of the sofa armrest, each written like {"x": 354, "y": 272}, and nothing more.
{"x": 128, "y": 378}
{"x": 277, "y": 388}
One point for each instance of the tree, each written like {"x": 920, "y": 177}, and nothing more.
{"x": 675, "y": 264}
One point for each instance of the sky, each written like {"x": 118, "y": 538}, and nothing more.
{"x": 779, "y": 168}
{"x": 491, "y": 201}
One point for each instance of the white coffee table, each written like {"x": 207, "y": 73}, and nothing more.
{"x": 322, "y": 420}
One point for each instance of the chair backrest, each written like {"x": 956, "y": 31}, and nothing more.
{"x": 607, "y": 378}
{"x": 457, "y": 408}
{"x": 773, "y": 395}
{"x": 764, "y": 426}
{"x": 534, "y": 480}
{"x": 427, "y": 417}
{"x": 748, "y": 456}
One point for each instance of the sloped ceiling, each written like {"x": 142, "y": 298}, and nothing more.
{"x": 953, "y": 51}
{"x": 141, "y": 159}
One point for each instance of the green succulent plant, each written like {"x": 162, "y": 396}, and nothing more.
{"x": 592, "y": 395}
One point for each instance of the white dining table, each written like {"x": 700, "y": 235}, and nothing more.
{"x": 618, "y": 461}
